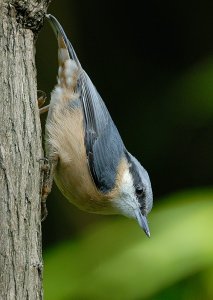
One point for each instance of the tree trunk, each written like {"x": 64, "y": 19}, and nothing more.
{"x": 20, "y": 151}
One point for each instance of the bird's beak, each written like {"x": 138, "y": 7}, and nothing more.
{"x": 142, "y": 222}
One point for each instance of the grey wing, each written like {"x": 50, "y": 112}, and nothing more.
{"x": 103, "y": 143}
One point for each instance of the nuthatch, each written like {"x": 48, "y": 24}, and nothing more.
{"x": 89, "y": 162}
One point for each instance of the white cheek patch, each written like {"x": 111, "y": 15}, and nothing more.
{"x": 126, "y": 203}
{"x": 127, "y": 183}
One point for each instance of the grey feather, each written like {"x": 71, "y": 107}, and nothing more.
{"x": 104, "y": 145}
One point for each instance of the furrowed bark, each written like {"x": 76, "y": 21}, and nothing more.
{"x": 20, "y": 151}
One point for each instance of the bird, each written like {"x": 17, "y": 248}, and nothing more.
{"x": 87, "y": 157}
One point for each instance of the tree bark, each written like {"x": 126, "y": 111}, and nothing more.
{"x": 20, "y": 151}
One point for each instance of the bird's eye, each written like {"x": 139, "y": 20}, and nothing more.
{"x": 139, "y": 191}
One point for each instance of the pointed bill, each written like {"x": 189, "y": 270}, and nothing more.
{"x": 142, "y": 222}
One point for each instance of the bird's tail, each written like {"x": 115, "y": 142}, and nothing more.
{"x": 63, "y": 41}
{"x": 69, "y": 64}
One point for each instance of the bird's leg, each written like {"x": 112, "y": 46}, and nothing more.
{"x": 41, "y": 100}
{"x": 44, "y": 109}
{"x": 48, "y": 169}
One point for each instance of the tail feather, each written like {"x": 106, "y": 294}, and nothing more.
{"x": 69, "y": 64}
{"x": 63, "y": 41}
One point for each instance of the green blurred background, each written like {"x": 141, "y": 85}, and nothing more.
{"x": 152, "y": 62}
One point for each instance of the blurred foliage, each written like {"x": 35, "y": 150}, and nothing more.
{"x": 115, "y": 260}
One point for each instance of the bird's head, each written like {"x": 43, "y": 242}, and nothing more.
{"x": 135, "y": 193}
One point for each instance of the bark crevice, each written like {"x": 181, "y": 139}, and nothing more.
{"x": 20, "y": 148}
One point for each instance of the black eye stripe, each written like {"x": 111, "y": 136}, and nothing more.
{"x": 139, "y": 191}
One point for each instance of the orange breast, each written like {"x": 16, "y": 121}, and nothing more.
{"x": 65, "y": 137}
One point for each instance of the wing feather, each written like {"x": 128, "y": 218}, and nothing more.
{"x": 103, "y": 143}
